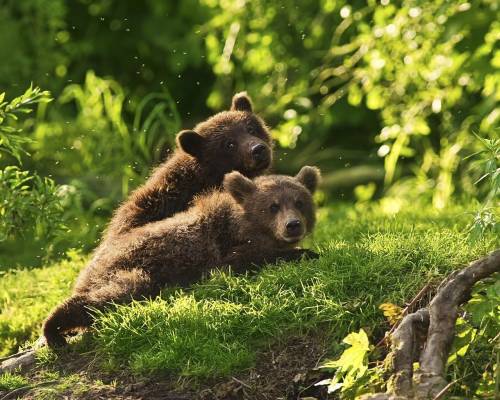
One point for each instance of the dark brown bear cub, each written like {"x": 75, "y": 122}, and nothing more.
{"x": 231, "y": 140}
{"x": 251, "y": 223}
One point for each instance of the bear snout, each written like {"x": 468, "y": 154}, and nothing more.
{"x": 293, "y": 230}
{"x": 293, "y": 227}
{"x": 261, "y": 155}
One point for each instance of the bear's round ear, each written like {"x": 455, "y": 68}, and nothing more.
{"x": 191, "y": 142}
{"x": 309, "y": 177}
{"x": 241, "y": 102}
{"x": 238, "y": 186}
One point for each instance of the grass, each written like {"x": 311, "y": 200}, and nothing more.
{"x": 28, "y": 295}
{"x": 9, "y": 381}
{"x": 220, "y": 325}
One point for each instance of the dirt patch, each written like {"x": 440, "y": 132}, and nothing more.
{"x": 282, "y": 371}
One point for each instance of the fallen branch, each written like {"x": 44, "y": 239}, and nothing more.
{"x": 22, "y": 360}
{"x": 427, "y": 335}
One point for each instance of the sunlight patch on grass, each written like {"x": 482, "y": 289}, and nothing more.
{"x": 28, "y": 295}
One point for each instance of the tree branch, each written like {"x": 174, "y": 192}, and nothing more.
{"x": 436, "y": 328}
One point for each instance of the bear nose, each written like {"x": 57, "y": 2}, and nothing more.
{"x": 294, "y": 227}
{"x": 259, "y": 152}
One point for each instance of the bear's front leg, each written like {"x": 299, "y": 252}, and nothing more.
{"x": 242, "y": 258}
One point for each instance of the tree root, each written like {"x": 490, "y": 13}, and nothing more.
{"x": 22, "y": 360}
{"x": 427, "y": 335}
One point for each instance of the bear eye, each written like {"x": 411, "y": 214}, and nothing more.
{"x": 230, "y": 145}
{"x": 299, "y": 204}
{"x": 251, "y": 130}
{"x": 275, "y": 207}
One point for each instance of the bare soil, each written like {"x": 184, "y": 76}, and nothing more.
{"x": 283, "y": 371}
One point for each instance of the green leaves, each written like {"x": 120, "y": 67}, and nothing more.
{"x": 28, "y": 202}
{"x": 486, "y": 164}
{"x": 10, "y": 140}
{"x": 352, "y": 365}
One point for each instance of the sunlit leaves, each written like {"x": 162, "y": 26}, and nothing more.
{"x": 352, "y": 364}
{"x": 11, "y": 140}
{"x": 392, "y": 312}
{"x": 29, "y": 203}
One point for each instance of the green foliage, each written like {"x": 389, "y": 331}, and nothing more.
{"x": 352, "y": 365}
{"x": 476, "y": 347}
{"x": 11, "y": 141}
{"x": 28, "y": 295}
{"x": 473, "y": 357}
{"x": 28, "y": 203}
{"x": 99, "y": 148}
{"x": 427, "y": 70}
{"x": 487, "y": 162}
{"x": 410, "y": 78}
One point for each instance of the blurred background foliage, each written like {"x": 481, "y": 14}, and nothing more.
{"x": 391, "y": 99}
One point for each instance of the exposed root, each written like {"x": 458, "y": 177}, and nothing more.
{"x": 427, "y": 335}
{"x": 22, "y": 360}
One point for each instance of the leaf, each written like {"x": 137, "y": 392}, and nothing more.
{"x": 352, "y": 364}
{"x": 392, "y": 312}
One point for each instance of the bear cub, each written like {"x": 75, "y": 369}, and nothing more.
{"x": 250, "y": 223}
{"x": 230, "y": 140}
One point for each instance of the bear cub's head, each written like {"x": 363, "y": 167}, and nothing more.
{"x": 231, "y": 140}
{"x": 279, "y": 206}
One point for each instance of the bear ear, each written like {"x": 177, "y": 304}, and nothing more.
{"x": 241, "y": 102}
{"x": 309, "y": 177}
{"x": 191, "y": 142}
{"x": 238, "y": 186}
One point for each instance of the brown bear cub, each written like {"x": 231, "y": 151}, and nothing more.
{"x": 231, "y": 140}
{"x": 250, "y": 223}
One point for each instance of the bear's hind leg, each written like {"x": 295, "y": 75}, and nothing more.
{"x": 71, "y": 314}
{"x": 76, "y": 313}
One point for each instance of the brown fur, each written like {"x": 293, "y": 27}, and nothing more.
{"x": 219, "y": 145}
{"x": 243, "y": 226}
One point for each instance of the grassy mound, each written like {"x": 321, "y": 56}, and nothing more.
{"x": 28, "y": 295}
{"x": 218, "y": 326}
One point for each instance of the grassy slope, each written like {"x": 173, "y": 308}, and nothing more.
{"x": 28, "y": 295}
{"x": 217, "y": 327}
{"x": 220, "y": 325}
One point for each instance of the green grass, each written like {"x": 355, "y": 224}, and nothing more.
{"x": 9, "y": 381}
{"x": 218, "y": 326}
{"x": 28, "y": 295}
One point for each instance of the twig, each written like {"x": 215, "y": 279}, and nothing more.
{"x": 445, "y": 389}
{"x": 241, "y": 382}
{"x": 414, "y": 301}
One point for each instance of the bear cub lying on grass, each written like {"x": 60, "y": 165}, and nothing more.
{"x": 230, "y": 140}
{"x": 250, "y": 223}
